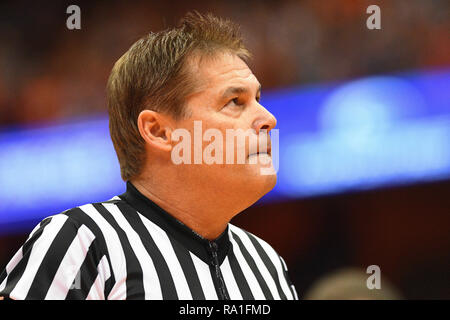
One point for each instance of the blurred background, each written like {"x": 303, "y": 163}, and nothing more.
{"x": 363, "y": 118}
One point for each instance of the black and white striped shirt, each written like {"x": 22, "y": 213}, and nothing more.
{"x": 130, "y": 248}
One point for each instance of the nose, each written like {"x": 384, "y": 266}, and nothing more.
{"x": 265, "y": 121}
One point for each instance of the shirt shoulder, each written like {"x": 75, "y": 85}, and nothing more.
{"x": 57, "y": 251}
{"x": 93, "y": 215}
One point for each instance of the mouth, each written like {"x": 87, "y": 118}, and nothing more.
{"x": 268, "y": 152}
{"x": 264, "y": 150}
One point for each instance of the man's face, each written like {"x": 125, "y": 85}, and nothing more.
{"x": 227, "y": 98}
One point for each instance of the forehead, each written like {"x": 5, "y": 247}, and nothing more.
{"x": 221, "y": 70}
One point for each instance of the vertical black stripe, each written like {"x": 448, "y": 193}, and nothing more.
{"x": 253, "y": 267}
{"x": 15, "y": 274}
{"x": 86, "y": 275}
{"x": 190, "y": 273}
{"x": 268, "y": 263}
{"x": 168, "y": 289}
{"x": 239, "y": 276}
{"x": 134, "y": 281}
{"x": 52, "y": 260}
{"x": 100, "y": 249}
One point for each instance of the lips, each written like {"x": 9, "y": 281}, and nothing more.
{"x": 268, "y": 152}
{"x": 255, "y": 154}
{"x": 264, "y": 149}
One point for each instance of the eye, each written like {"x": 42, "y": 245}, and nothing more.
{"x": 234, "y": 102}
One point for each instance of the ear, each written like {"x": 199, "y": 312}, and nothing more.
{"x": 155, "y": 129}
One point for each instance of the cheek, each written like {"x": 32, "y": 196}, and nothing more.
{"x": 213, "y": 126}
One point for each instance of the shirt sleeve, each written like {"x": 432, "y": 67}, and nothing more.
{"x": 59, "y": 260}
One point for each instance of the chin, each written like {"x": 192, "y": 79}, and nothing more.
{"x": 271, "y": 181}
{"x": 263, "y": 183}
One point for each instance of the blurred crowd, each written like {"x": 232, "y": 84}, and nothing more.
{"x": 49, "y": 73}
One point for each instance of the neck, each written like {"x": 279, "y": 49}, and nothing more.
{"x": 190, "y": 206}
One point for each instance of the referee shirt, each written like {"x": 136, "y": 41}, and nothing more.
{"x": 130, "y": 248}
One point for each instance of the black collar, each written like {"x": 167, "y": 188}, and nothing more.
{"x": 183, "y": 234}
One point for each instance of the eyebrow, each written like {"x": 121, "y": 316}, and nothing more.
{"x": 237, "y": 90}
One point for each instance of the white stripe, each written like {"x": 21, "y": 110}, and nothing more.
{"x": 11, "y": 265}
{"x": 97, "y": 291}
{"x": 116, "y": 254}
{"x": 248, "y": 273}
{"x": 258, "y": 261}
{"x": 230, "y": 281}
{"x": 17, "y": 257}
{"x": 152, "y": 286}
{"x": 204, "y": 275}
{"x": 274, "y": 257}
{"x": 3, "y": 284}
{"x": 70, "y": 264}
{"x": 162, "y": 241}
{"x": 295, "y": 292}
{"x": 291, "y": 286}
{"x": 40, "y": 248}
